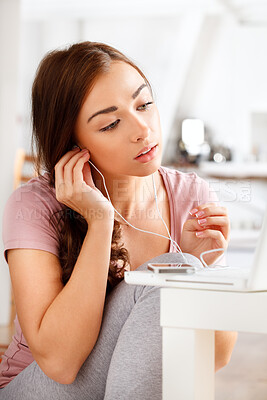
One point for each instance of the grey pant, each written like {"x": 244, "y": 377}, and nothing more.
{"x": 126, "y": 361}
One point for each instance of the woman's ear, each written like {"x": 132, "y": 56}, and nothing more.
{"x": 76, "y": 144}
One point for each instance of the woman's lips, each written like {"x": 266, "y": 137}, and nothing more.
{"x": 148, "y": 156}
{"x": 146, "y": 148}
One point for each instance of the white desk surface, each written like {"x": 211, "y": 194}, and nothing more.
{"x": 216, "y": 310}
{"x": 189, "y": 318}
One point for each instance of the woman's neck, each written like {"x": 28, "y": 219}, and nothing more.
{"x": 130, "y": 195}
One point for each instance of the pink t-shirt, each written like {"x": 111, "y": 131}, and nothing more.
{"x": 26, "y": 225}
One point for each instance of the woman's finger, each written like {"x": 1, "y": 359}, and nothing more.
{"x": 69, "y": 167}
{"x": 212, "y": 216}
{"x": 213, "y": 210}
{"x": 59, "y": 167}
{"x": 221, "y": 223}
{"x": 209, "y": 210}
{"x": 67, "y": 156}
{"x": 218, "y": 221}
{"x": 201, "y": 207}
{"x": 215, "y": 223}
{"x": 212, "y": 234}
{"x": 78, "y": 175}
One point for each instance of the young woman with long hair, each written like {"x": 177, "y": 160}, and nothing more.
{"x": 81, "y": 331}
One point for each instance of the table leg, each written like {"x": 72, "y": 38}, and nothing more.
{"x": 188, "y": 364}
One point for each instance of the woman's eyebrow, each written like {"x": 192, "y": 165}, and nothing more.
{"x": 136, "y": 93}
{"x": 114, "y": 108}
{"x": 105, "y": 111}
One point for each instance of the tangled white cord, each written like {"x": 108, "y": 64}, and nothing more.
{"x": 174, "y": 243}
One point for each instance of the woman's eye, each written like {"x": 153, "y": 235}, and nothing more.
{"x": 114, "y": 124}
{"x": 111, "y": 126}
{"x": 145, "y": 106}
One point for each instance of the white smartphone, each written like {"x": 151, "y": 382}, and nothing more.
{"x": 171, "y": 268}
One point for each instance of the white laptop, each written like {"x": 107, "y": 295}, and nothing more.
{"x": 244, "y": 279}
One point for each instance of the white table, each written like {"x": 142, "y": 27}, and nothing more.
{"x": 189, "y": 318}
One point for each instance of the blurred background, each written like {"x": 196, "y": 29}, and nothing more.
{"x": 207, "y": 66}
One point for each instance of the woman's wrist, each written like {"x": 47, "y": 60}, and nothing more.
{"x": 100, "y": 217}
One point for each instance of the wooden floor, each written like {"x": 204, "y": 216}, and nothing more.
{"x": 245, "y": 377}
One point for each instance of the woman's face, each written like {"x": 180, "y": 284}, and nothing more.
{"x": 117, "y": 120}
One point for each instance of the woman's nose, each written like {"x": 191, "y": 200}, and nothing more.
{"x": 142, "y": 130}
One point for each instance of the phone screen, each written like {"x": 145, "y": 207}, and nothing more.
{"x": 170, "y": 265}
{"x": 165, "y": 265}
{"x": 171, "y": 268}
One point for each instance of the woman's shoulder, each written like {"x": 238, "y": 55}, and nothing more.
{"x": 189, "y": 185}
{"x": 175, "y": 175}
{"x": 33, "y": 203}
{"x": 31, "y": 217}
{"x": 36, "y": 192}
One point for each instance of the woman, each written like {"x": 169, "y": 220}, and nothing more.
{"x": 81, "y": 333}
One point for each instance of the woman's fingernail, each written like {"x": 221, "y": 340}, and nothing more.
{"x": 202, "y": 221}
{"x": 200, "y": 234}
{"x": 200, "y": 214}
{"x": 195, "y": 210}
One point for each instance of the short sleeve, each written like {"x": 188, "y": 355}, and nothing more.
{"x": 205, "y": 193}
{"x": 26, "y": 219}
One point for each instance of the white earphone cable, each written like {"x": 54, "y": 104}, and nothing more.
{"x": 175, "y": 244}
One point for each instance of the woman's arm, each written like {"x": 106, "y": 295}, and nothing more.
{"x": 61, "y": 324}
{"x": 224, "y": 345}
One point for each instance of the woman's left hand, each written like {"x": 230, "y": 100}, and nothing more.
{"x": 208, "y": 229}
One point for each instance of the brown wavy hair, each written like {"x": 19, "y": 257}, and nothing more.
{"x": 63, "y": 80}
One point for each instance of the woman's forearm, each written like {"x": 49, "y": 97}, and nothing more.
{"x": 224, "y": 345}
{"x": 71, "y": 324}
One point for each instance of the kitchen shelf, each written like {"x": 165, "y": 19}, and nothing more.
{"x": 228, "y": 170}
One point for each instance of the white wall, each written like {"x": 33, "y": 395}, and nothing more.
{"x": 251, "y": 81}
{"x": 37, "y": 38}
{"x": 226, "y": 81}
{"x": 9, "y": 34}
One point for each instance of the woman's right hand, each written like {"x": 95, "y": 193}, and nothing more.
{"x": 76, "y": 189}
